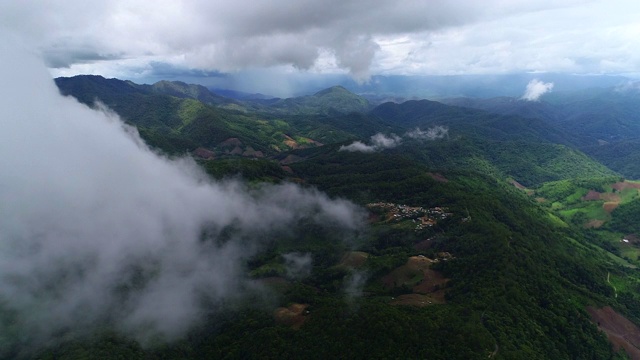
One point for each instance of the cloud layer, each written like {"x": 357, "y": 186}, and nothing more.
{"x": 124, "y": 38}
{"x": 96, "y": 229}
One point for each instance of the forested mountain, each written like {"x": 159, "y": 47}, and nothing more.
{"x": 332, "y": 101}
{"x": 603, "y": 122}
{"x": 530, "y": 150}
{"x": 480, "y": 241}
{"x": 178, "y": 118}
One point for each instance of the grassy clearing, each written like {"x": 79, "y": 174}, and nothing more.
{"x": 628, "y": 195}
{"x": 592, "y": 210}
{"x": 557, "y": 221}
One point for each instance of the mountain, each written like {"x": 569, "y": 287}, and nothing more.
{"x": 477, "y": 86}
{"x": 602, "y": 122}
{"x": 179, "y": 118}
{"x": 331, "y": 101}
{"x": 183, "y": 90}
{"x": 531, "y": 150}
{"x": 414, "y": 87}
{"x": 240, "y": 95}
{"x": 478, "y": 244}
{"x": 491, "y": 256}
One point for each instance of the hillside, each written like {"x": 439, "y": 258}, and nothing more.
{"x": 503, "y": 259}
{"x": 183, "y": 90}
{"x": 452, "y": 251}
{"x": 530, "y": 150}
{"x": 179, "y": 118}
{"x": 335, "y": 100}
{"x": 602, "y": 122}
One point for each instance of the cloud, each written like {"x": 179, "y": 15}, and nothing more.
{"x": 433, "y": 133}
{"x": 225, "y": 36}
{"x": 628, "y": 86}
{"x": 298, "y": 265}
{"x": 535, "y": 89}
{"x": 358, "y": 146}
{"x": 379, "y": 142}
{"x": 354, "y": 284}
{"x": 355, "y": 36}
{"x": 97, "y": 230}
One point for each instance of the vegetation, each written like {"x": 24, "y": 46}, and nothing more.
{"x": 518, "y": 268}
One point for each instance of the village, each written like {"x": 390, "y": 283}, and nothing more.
{"x": 424, "y": 218}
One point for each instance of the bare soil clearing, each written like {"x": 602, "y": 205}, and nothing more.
{"x": 438, "y": 177}
{"x": 621, "y": 332}
{"x": 354, "y": 259}
{"x": 625, "y": 185}
{"x": 420, "y": 300}
{"x": 294, "y": 315}
{"x": 425, "y": 283}
{"x": 517, "y": 185}
{"x": 610, "y": 206}
{"x": 594, "y": 224}
{"x": 591, "y": 195}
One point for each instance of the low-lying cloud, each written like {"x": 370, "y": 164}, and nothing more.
{"x": 354, "y": 284}
{"x": 380, "y": 141}
{"x": 535, "y": 89}
{"x": 98, "y": 230}
{"x": 433, "y": 133}
{"x": 298, "y": 265}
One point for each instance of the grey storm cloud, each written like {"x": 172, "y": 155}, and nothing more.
{"x": 234, "y": 35}
{"x": 96, "y": 229}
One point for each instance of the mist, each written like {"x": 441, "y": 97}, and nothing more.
{"x": 98, "y": 230}
{"x": 298, "y": 265}
{"x": 432, "y": 133}
{"x": 379, "y": 142}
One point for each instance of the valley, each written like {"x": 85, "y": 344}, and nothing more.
{"x": 496, "y": 236}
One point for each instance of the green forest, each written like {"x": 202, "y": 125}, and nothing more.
{"x": 489, "y": 241}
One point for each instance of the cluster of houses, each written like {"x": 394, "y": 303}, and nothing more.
{"x": 424, "y": 218}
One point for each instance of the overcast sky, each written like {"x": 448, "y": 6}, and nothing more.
{"x": 140, "y": 39}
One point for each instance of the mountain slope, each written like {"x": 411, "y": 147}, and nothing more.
{"x": 178, "y": 118}
{"x": 454, "y": 262}
{"x": 517, "y": 282}
{"x": 183, "y": 90}
{"x": 529, "y": 150}
{"x": 603, "y": 122}
{"x": 332, "y": 101}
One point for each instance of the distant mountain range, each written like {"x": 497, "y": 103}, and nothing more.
{"x": 602, "y": 122}
{"x": 493, "y": 130}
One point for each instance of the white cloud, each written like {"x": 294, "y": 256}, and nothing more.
{"x": 433, "y": 133}
{"x": 96, "y": 229}
{"x": 358, "y": 146}
{"x": 535, "y": 89}
{"x": 379, "y": 142}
